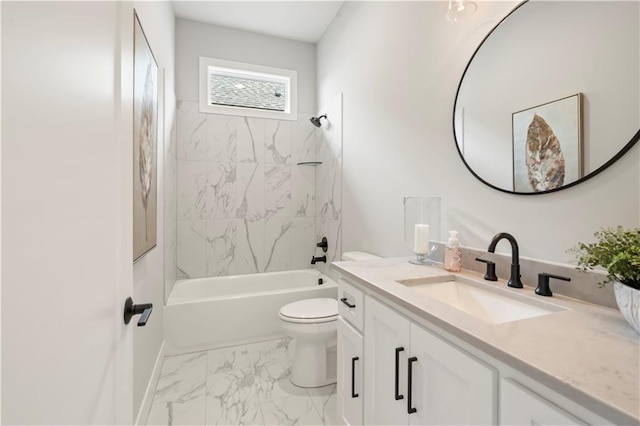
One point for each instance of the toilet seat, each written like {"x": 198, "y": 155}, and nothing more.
{"x": 310, "y": 311}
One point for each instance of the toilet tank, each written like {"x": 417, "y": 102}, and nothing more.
{"x": 359, "y": 255}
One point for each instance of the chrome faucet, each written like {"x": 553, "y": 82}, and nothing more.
{"x": 514, "y": 281}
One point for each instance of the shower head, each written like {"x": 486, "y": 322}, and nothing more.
{"x": 316, "y": 120}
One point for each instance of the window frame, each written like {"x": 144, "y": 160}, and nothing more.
{"x": 248, "y": 70}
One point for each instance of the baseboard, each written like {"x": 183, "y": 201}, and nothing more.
{"x": 145, "y": 407}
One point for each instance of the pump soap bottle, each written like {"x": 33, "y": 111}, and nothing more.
{"x": 452, "y": 253}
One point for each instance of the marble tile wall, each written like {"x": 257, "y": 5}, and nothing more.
{"x": 170, "y": 217}
{"x": 329, "y": 184}
{"x": 243, "y": 204}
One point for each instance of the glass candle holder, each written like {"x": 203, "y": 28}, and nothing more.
{"x": 421, "y": 227}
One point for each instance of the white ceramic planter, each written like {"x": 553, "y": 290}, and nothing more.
{"x": 628, "y": 300}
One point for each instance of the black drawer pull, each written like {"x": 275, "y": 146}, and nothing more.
{"x": 344, "y": 300}
{"x": 398, "y": 396}
{"x": 410, "y": 409}
{"x": 353, "y": 377}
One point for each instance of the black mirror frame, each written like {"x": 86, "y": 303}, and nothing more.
{"x": 597, "y": 171}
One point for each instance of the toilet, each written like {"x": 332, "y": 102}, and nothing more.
{"x": 313, "y": 324}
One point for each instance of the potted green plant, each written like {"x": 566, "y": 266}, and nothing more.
{"x": 618, "y": 251}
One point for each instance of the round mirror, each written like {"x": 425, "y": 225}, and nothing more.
{"x": 551, "y": 97}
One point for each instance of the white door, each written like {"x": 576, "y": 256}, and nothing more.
{"x": 66, "y": 237}
{"x": 449, "y": 386}
{"x": 387, "y": 338}
{"x": 520, "y": 406}
{"x": 350, "y": 368}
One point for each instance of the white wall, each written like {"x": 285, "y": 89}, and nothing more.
{"x": 194, "y": 39}
{"x": 398, "y": 65}
{"x": 62, "y": 203}
{"x": 158, "y": 22}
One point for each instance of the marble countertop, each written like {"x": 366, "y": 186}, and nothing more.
{"x": 588, "y": 353}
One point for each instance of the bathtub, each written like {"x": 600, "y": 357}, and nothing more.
{"x": 208, "y": 313}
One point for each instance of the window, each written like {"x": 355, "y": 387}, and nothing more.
{"x": 234, "y": 88}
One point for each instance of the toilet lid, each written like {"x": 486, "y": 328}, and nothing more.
{"x": 310, "y": 309}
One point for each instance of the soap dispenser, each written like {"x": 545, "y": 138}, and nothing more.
{"x": 452, "y": 253}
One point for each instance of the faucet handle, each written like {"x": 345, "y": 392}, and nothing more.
{"x": 491, "y": 270}
{"x": 543, "y": 283}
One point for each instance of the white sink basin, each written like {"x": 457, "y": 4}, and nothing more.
{"x": 494, "y": 305}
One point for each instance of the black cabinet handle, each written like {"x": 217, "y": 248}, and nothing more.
{"x": 353, "y": 377}
{"x": 410, "y": 409}
{"x": 398, "y": 350}
{"x": 130, "y": 310}
{"x": 344, "y": 300}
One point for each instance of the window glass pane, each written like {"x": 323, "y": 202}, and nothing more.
{"x": 247, "y": 92}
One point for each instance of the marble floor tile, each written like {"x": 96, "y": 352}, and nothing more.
{"x": 232, "y": 399}
{"x": 181, "y": 392}
{"x": 180, "y": 404}
{"x": 228, "y": 359}
{"x": 240, "y": 385}
{"x": 271, "y": 363}
{"x": 273, "y": 382}
{"x": 280, "y": 350}
{"x": 183, "y": 368}
{"x": 325, "y": 401}
{"x": 291, "y": 410}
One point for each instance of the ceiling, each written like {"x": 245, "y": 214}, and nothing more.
{"x": 296, "y": 20}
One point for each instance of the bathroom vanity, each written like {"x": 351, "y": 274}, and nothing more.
{"x": 420, "y": 345}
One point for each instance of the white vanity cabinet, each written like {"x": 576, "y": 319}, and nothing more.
{"x": 350, "y": 383}
{"x": 521, "y": 406}
{"x": 413, "y": 376}
{"x": 350, "y": 370}
{"x": 387, "y": 340}
{"x": 452, "y": 382}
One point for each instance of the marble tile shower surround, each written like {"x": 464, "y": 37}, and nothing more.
{"x": 170, "y": 213}
{"x": 328, "y": 220}
{"x": 243, "y": 205}
{"x": 246, "y": 384}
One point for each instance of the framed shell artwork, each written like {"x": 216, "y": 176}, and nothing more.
{"x": 145, "y": 138}
{"x": 547, "y": 145}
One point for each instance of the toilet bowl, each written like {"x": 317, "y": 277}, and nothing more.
{"x": 313, "y": 324}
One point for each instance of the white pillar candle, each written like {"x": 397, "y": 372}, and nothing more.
{"x": 421, "y": 238}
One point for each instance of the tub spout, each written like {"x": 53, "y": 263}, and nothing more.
{"x": 315, "y": 259}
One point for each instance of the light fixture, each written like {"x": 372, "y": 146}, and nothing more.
{"x": 460, "y": 9}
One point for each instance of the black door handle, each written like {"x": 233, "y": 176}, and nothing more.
{"x": 344, "y": 300}
{"x": 398, "y": 350}
{"x": 353, "y": 377}
{"x": 130, "y": 310}
{"x": 410, "y": 409}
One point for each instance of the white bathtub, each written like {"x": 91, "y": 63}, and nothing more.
{"x": 206, "y": 313}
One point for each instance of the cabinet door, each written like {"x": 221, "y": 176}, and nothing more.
{"x": 386, "y": 333}
{"x": 448, "y": 385}
{"x": 350, "y": 384}
{"x": 520, "y": 406}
